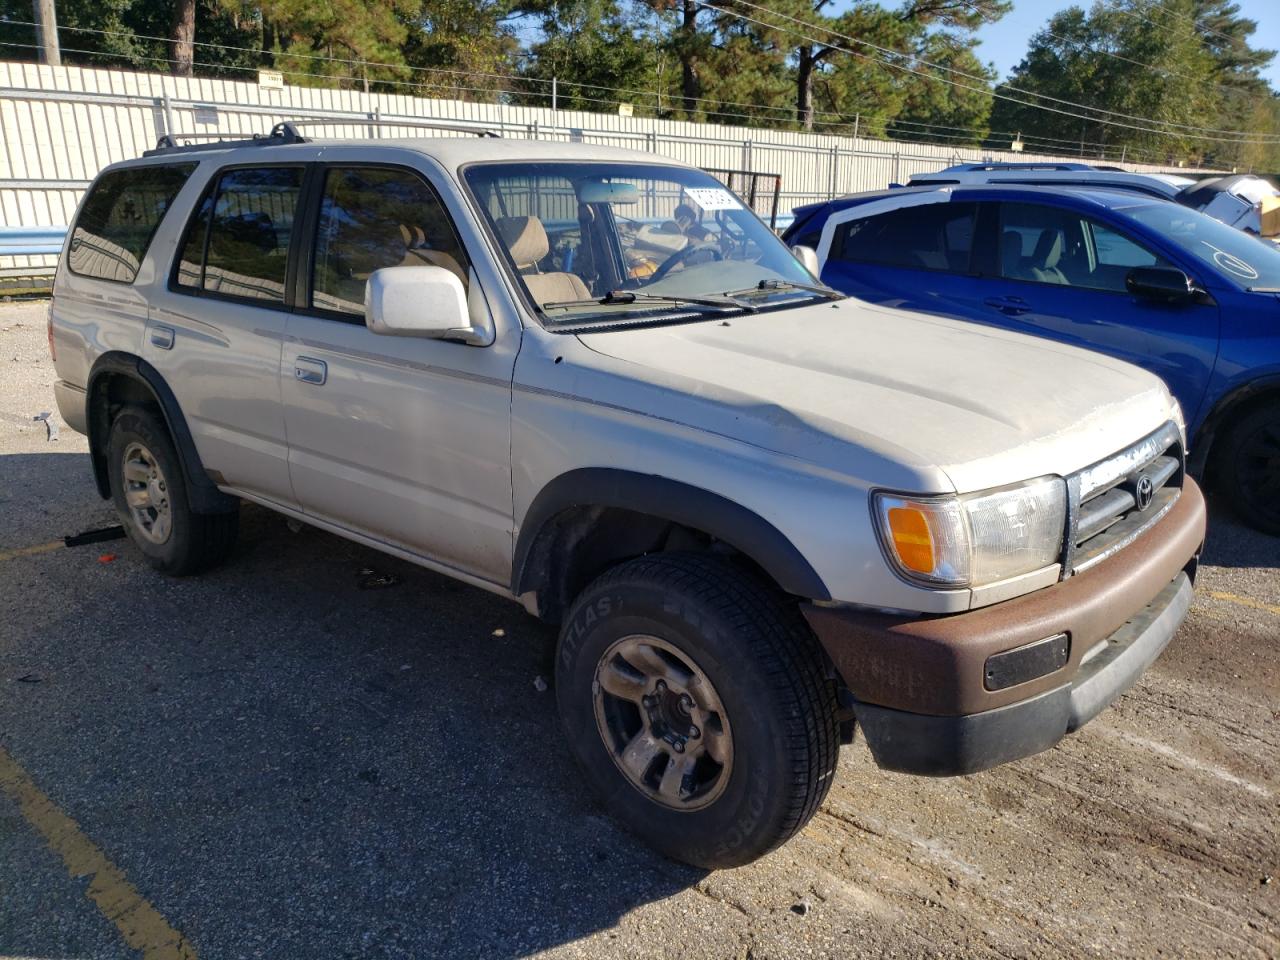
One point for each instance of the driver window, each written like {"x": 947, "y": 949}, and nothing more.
{"x": 372, "y": 218}
{"x": 1053, "y": 245}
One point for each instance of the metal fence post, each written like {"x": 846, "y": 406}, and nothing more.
{"x": 833, "y": 158}
{"x": 168, "y": 115}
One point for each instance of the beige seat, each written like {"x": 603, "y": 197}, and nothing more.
{"x": 526, "y": 240}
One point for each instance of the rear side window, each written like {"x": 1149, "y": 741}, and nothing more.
{"x": 237, "y": 244}
{"x": 933, "y": 236}
{"x": 119, "y": 218}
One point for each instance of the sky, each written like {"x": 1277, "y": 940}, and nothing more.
{"x": 1005, "y": 42}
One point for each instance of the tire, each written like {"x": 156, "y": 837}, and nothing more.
{"x": 1249, "y": 468}
{"x": 143, "y": 465}
{"x": 764, "y": 701}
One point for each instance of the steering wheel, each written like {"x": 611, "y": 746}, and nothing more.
{"x": 680, "y": 257}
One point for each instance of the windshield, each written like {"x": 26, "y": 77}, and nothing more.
{"x": 1248, "y": 260}
{"x": 607, "y": 239}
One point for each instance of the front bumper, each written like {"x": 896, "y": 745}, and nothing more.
{"x": 920, "y": 685}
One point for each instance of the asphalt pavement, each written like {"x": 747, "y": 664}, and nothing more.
{"x": 280, "y": 759}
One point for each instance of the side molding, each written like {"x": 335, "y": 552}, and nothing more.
{"x": 669, "y": 500}
{"x": 202, "y": 492}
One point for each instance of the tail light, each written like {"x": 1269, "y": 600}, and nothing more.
{"x": 53, "y": 352}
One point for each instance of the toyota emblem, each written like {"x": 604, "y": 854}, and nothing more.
{"x": 1146, "y": 492}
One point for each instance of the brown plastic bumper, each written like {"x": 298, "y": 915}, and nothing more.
{"x": 936, "y": 666}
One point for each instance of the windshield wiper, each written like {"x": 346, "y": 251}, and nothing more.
{"x": 779, "y": 284}
{"x": 616, "y": 297}
{"x": 1264, "y": 289}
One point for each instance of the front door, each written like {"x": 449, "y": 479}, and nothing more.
{"x": 402, "y": 439}
{"x": 1061, "y": 274}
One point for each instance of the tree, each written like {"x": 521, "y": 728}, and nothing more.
{"x": 592, "y": 46}
{"x": 1173, "y": 74}
{"x": 465, "y": 49}
{"x": 182, "y": 37}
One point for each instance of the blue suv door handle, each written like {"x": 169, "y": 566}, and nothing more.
{"x": 1009, "y": 306}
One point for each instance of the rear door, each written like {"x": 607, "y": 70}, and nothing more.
{"x": 216, "y": 326}
{"x": 1061, "y": 273}
{"x": 402, "y": 439}
{"x": 917, "y": 256}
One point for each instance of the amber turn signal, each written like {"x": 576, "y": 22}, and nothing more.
{"x": 909, "y": 530}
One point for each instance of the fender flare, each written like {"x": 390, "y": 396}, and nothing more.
{"x": 1213, "y": 426}
{"x": 202, "y": 493}
{"x": 666, "y": 499}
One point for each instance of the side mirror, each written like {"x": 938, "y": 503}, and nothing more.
{"x": 1162, "y": 284}
{"x": 808, "y": 257}
{"x": 420, "y": 301}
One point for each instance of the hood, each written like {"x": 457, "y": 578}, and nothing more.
{"x": 889, "y": 397}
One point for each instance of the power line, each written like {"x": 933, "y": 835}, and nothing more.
{"x": 1232, "y": 136}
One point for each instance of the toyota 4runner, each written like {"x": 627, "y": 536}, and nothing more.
{"x": 592, "y": 381}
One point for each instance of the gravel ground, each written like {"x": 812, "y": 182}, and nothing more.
{"x": 288, "y": 766}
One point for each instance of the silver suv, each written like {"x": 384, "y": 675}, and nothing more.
{"x": 591, "y": 381}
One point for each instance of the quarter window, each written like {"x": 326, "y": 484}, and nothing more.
{"x": 119, "y": 218}
{"x": 371, "y": 219}
{"x": 932, "y": 236}
{"x": 238, "y": 241}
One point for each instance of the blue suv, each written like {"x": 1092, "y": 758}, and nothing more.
{"x": 1142, "y": 279}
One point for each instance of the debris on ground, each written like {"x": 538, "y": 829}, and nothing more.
{"x": 499, "y": 633}
{"x": 371, "y": 579}
{"x": 295, "y": 526}
{"x": 50, "y": 425}
{"x": 801, "y": 908}
{"x": 107, "y": 558}
{"x": 115, "y": 532}
{"x": 539, "y": 684}
{"x": 36, "y": 678}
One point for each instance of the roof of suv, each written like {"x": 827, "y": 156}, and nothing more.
{"x": 1102, "y": 194}
{"x": 451, "y": 152}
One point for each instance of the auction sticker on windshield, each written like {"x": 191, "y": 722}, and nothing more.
{"x": 713, "y": 198}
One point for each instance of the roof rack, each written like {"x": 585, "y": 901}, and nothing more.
{"x": 281, "y": 134}
{"x": 996, "y": 167}
{"x": 377, "y": 121}
{"x": 287, "y": 132}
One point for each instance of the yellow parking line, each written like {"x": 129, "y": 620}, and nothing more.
{"x": 139, "y": 923}
{"x": 29, "y": 551}
{"x": 1244, "y": 601}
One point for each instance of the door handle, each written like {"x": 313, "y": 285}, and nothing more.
{"x": 1010, "y": 306}
{"x": 162, "y": 337}
{"x": 310, "y": 370}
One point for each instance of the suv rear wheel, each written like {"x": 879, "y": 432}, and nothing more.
{"x": 1250, "y": 468}
{"x": 151, "y": 498}
{"x": 697, "y": 702}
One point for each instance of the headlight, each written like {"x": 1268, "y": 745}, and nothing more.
{"x": 975, "y": 539}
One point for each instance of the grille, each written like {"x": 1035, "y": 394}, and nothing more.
{"x": 1113, "y": 501}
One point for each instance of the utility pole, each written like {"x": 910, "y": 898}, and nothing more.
{"x": 47, "y": 32}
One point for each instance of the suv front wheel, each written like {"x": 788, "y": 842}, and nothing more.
{"x": 151, "y": 498}
{"x": 699, "y": 706}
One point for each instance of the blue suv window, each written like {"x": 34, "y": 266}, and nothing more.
{"x": 1046, "y": 244}
{"x": 933, "y": 236}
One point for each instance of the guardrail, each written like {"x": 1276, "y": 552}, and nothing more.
{"x": 31, "y": 241}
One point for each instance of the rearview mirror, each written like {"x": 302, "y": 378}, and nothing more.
{"x": 808, "y": 257}
{"x": 1163, "y": 284}
{"x": 420, "y": 301}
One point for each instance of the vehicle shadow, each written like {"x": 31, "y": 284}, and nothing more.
{"x": 1229, "y": 543}
{"x": 289, "y": 764}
